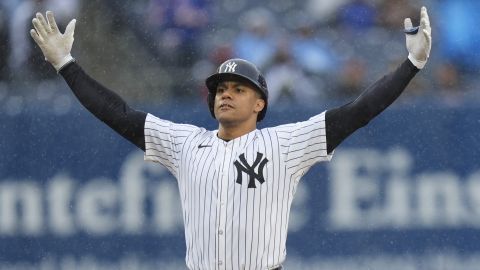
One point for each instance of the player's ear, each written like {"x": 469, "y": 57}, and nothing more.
{"x": 259, "y": 105}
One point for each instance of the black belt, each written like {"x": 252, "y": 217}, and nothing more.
{"x": 278, "y": 268}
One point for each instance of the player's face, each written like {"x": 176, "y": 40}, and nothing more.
{"x": 237, "y": 102}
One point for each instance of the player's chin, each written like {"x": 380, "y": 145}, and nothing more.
{"x": 226, "y": 117}
{"x": 223, "y": 117}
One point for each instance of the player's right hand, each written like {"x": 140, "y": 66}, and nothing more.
{"x": 55, "y": 46}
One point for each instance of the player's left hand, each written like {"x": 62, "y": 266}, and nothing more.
{"x": 55, "y": 46}
{"x": 419, "y": 40}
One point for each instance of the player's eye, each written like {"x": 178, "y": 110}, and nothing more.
{"x": 240, "y": 90}
{"x": 220, "y": 90}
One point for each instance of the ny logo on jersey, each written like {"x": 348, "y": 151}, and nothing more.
{"x": 230, "y": 67}
{"x": 250, "y": 170}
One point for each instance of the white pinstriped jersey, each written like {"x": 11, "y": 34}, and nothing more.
{"x": 236, "y": 195}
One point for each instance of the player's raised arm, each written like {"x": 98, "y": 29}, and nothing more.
{"x": 100, "y": 101}
{"x": 344, "y": 120}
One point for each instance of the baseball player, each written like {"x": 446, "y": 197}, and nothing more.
{"x": 237, "y": 182}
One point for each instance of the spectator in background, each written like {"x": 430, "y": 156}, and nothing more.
{"x": 351, "y": 80}
{"x": 392, "y": 12}
{"x": 311, "y": 53}
{"x": 448, "y": 84}
{"x": 323, "y": 11}
{"x": 24, "y": 60}
{"x": 179, "y": 25}
{"x": 287, "y": 82}
{"x": 357, "y": 16}
{"x": 256, "y": 42}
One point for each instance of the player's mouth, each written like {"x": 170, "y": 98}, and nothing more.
{"x": 225, "y": 106}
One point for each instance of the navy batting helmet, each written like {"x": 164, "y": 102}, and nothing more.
{"x": 237, "y": 69}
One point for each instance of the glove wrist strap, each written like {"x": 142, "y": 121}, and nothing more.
{"x": 66, "y": 60}
{"x": 419, "y": 64}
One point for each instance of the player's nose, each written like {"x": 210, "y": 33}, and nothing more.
{"x": 227, "y": 93}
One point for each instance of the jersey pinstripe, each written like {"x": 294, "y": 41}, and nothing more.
{"x": 236, "y": 195}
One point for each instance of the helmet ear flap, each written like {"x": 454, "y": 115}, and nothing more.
{"x": 211, "y": 103}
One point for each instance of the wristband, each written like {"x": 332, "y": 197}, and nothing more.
{"x": 66, "y": 60}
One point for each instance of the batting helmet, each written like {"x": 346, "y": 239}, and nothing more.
{"x": 237, "y": 69}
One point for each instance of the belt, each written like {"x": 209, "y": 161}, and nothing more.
{"x": 278, "y": 268}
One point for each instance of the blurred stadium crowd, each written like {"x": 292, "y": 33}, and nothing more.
{"x": 157, "y": 51}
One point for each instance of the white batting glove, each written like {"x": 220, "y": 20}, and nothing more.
{"x": 55, "y": 46}
{"x": 419, "y": 39}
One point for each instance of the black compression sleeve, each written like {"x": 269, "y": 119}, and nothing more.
{"x": 106, "y": 105}
{"x": 344, "y": 120}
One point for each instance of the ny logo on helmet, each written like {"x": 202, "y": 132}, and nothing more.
{"x": 230, "y": 67}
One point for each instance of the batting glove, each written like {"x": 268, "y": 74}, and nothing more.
{"x": 55, "y": 46}
{"x": 419, "y": 39}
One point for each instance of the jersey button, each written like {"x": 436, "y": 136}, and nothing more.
{"x": 220, "y": 232}
{"x": 220, "y": 262}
